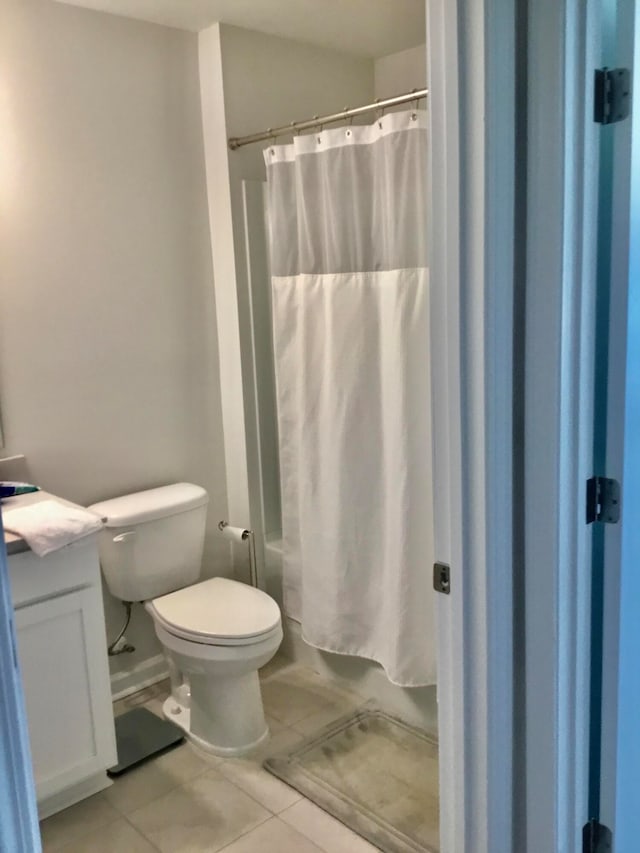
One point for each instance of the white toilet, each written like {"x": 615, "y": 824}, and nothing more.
{"x": 216, "y": 633}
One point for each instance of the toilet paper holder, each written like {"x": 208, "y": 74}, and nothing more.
{"x": 241, "y": 534}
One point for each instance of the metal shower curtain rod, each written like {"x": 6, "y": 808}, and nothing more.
{"x": 318, "y": 121}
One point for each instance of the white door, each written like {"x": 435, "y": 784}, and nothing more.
{"x": 19, "y": 830}
{"x": 616, "y": 746}
{"x": 583, "y": 742}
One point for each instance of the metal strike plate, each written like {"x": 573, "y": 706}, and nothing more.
{"x": 442, "y": 578}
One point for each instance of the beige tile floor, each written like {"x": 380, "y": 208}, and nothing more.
{"x": 182, "y": 802}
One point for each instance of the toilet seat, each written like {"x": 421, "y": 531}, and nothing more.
{"x": 218, "y": 612}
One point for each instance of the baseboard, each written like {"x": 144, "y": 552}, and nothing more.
{"x": 142, "y": 675}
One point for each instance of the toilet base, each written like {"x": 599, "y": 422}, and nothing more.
{"x": 215, "y": 691}
{"x": 180, "y": 716}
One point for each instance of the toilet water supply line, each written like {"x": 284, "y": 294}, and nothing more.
{"x": 240, "y": 534}
{"x": 118, "y": 647}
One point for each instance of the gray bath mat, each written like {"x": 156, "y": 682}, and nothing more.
{"x": 375, "y": 774}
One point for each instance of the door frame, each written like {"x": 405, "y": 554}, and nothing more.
{"x": 472, "y": 173}
{"x": 562, "y": 146}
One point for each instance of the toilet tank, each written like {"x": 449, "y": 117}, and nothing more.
{"x": 152, "y": 541}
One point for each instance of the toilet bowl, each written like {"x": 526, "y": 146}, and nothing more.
{"x": 215, "y": 633}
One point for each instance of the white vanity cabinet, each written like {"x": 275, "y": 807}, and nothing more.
{"x": 62, "y": 652}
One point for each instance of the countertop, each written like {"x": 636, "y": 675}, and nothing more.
{"x": 15, "y": 544}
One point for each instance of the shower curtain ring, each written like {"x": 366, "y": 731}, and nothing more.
{"x": 348, "y": 118}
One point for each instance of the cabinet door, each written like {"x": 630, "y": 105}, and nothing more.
{"x": 70, "y": 725}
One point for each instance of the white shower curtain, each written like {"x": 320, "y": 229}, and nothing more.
{"x": 347, "y": 214}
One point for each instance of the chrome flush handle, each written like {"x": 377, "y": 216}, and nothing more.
{"x": 122, "y": 537}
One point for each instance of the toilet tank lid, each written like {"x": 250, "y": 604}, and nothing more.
{"x": 150, "y": 504}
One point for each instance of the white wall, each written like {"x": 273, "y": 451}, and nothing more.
{"x": 401, "y": 72}
{"x": 270, "y": 81}
{"x": 109, "y": 377}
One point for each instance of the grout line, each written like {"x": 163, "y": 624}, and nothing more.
{"x": 287, "y": 727}
{"x": 324, "y": 706}
{"x": 60, "y": 848}
{"x": 184, "y": 784}
{"x": 141, "y": 833}
{"x": 300, "y": 830}
{"x": 266, "y": 678}
{"x": 251, "y": 796}
{"x": 282, "y": 823}
{"x": 163, "y": 794}
{"x": 242, "y": 835}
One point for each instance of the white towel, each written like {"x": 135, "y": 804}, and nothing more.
{"x": 47, "y": 526}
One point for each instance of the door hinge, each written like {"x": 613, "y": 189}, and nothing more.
{"x": 442, "y": 578}
{"x": 596, "y": 838}
{"x": 611, "y": 95}
{"x": 603, "y": 500}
